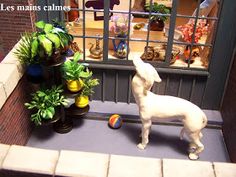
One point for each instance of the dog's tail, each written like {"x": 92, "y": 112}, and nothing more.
{"x": 181, "y": 135}
{"x": 204, "y": 120}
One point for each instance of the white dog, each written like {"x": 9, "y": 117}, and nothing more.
{"x": 153, "y": 106}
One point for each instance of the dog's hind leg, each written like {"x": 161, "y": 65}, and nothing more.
{"x": 146, "y": 125}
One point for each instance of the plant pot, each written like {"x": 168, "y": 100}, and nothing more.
{"x": 74, "y": 85}
{"x": 157, "y": 25}
{"x": 34, "y": 73}
{"x": 55, "y": 59}
{"x": 81, "y": 101}
{"x": 47, "y": 120}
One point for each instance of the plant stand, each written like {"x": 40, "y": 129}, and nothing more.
{"x": 75, "y": 111}
{"x": 64, "y": 124}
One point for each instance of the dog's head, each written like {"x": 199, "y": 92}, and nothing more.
{"x": 146, "y": 73}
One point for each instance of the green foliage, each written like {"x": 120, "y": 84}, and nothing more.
{"x": 59, "y": 24}
{"x": 38, "y": 45}
{"x": 89, "y": 85}
{"x": 44, "y": 103}
{"x": 157, "y": 8}
{"x": 51, "y": 37}
{"x": 72, "y": 70}
{"x": 23, "y": 51}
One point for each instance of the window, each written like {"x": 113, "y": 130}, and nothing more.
{"x": 166, "y": 33}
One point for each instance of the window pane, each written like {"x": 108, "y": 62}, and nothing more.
{"x": 93, "y": 27}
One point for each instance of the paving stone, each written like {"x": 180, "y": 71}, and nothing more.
{"x": 29, "y": 161}
{"x": 3, "y": 152}
{"x": 225, "y": 169}
{"x": 10, "y": 58}
{"x": 76, "y": 163}
{"x": 3, "y": 96}
{"x": 187, "y": 168}
{"x": 127, "y": 166}
{"x": 9, "y": 77}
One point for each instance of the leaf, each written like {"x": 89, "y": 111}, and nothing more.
{"x": 77, "y": 56}
{"x": 48, "y": 27}
{"x": 50, "y": 112}
{"x": 46, "y": 44}
{"x": 40, "y": 24}
{"x": 40, "y": 94}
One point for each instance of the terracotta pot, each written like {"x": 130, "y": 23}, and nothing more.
{"x": 74, "y": 85}
{"x": 157, "y": 25}
{"x": 81, "y": 101}
{"x": 73, "y": 14}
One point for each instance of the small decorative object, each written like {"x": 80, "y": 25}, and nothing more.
{"x": 195, "y": 53}
{"x": 138, "y": 26}
{"x": 158, "y": 53}
{"x": 96, "y": 52}
{"x": 121, "y": 49}
{"x": 187, "y": 30}
{"x": 74, "y": 73}
{"x": 119, "y": 26}
{"x": 115, "y": 121}
{"x": 99, "y": 4}
{"x": 157, "y": 21}
{"x": 73, "y": 14}
{"x": 193, "y": 118}
{"x": 44, "y": 103}
{"x": 82, "y": 100}
{"x": 75, "y": 48}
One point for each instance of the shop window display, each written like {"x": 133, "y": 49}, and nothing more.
{"x": 165, "y": 33}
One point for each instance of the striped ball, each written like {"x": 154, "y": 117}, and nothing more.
{"x": 115, "y": 121}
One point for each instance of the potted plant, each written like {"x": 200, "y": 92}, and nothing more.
{"x": 44, "y": 104}
{"x": 53, "y": 40}
{"x": 26, "y": 52}
{"x": 82, "y": 100}
{"x": 74, "y": 73}
{"x": 157, "y": 21}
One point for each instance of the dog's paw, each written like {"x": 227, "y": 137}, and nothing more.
{"x": 192, "y": 148}
{"x": 193, "y": 156}
{"x": 141, "y": 146}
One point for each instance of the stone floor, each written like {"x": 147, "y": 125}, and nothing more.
{"x": 94, "y": 135}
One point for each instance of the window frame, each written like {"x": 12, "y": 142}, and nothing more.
{"x": 170, "y": 41}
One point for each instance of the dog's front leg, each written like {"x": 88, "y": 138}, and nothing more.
{"x": 146, "y": 125}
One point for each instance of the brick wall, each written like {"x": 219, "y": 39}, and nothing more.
{"x": 14, "y": 23}
{"x": 15, "y": 125}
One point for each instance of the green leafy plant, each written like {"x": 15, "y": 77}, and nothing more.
{"x": 51, "y": 37}
{"x": 73, "y": 70}
{"x": 157, "y": 8}
{"x": 89, "y": 85}
{"x": 44, "y": 102}
{"x": 25, "y": 51}
{"x": 35, "y": 46}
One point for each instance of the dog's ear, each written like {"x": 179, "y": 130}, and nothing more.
{"x": 153, "y": 73}
{"x": 156, "y": 77}
{"x": 137, "y": 62}
{"x": 140, "y": 68}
